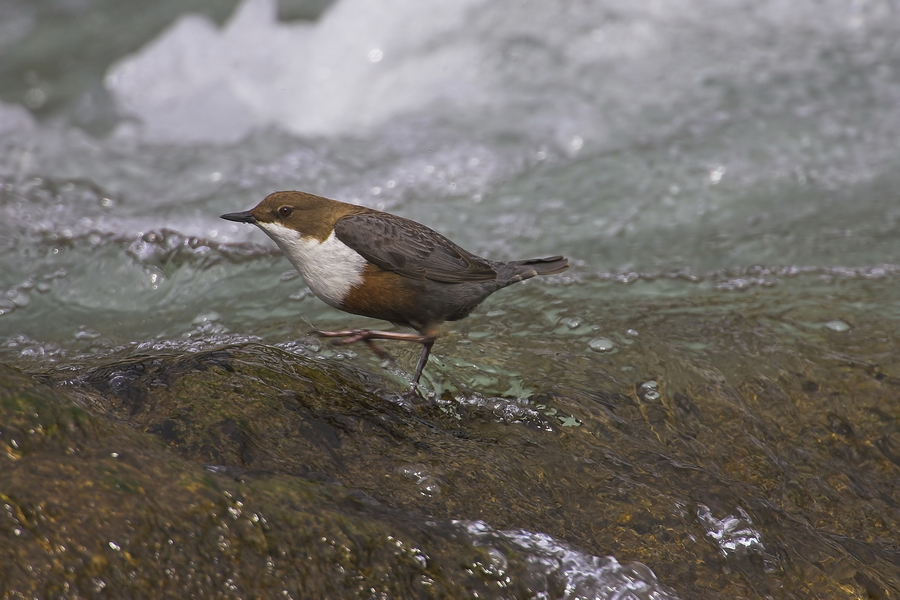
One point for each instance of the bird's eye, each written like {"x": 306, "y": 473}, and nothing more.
{"x": 285, "y": 211}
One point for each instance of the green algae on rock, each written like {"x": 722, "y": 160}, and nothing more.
{"x": 90, "y": 506}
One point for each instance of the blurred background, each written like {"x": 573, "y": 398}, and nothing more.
{"x": 729, "y": 143}
{"x": 723, "y": 175}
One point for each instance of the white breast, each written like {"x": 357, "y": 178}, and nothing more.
{"x": 330, "y": 268}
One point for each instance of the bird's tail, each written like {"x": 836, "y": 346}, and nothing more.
{"x": 526, "y": 269}
{"x": 550, "y": 265}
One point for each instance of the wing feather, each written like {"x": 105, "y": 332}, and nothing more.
{"x": 410, "y": 249}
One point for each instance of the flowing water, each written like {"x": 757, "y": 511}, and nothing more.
{"x": 704, "y": 405}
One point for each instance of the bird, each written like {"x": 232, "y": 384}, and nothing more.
{"x": 376, "y": 264}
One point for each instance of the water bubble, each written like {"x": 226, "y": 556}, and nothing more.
{"x": 86, "y": 333}
{"x": 837, "y": 325}
{"x": 650, "y": 391}
{"x": 572, "y": 322}
{"x": 428, "y": 484}
{"x": 715, "y": 176}
{"x": 6, "y": 306}
{"x": 206, "y": 317}
{"x": 601, "y": 345}
{"x": 19, "y": 298}
{"x": 495, "y": 565}
{"x": 576, "y": 143}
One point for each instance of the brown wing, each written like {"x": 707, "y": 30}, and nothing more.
{"x": 410, "y": 249}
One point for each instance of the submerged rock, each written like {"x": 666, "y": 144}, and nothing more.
{"x": 220, "y": 475}
{"x": 730, "y": 451}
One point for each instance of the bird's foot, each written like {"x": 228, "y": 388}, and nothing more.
{"x": 367, "y": 335}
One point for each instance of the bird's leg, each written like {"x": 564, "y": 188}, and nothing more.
{"x": 356, "y": 335}
{"x": 367, "y": 335}
{"x": 423, "y": 358}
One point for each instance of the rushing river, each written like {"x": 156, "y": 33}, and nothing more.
{"x": 706, "y": 405}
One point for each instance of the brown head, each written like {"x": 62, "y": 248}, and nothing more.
{"x": 311, "y": 216}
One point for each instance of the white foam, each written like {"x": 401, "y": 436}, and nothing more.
{"x": 14, "y": 117}
{"x": 362, "y": 62}
{"x": 579, "y": 78}
{"x": 732, "y": 534}
{"x": 556, "y": 565}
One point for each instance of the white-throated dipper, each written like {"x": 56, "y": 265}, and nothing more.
{"x": 371, "y": 263}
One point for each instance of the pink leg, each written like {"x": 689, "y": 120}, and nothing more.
{"x": 367, "y": 335}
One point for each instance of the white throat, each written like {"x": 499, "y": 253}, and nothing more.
{"x": 330, "y": 268}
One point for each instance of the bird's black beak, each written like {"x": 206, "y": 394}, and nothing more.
{"x": 240, "y": 217}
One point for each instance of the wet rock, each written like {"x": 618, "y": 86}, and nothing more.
{"x": 98, "y": 503}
